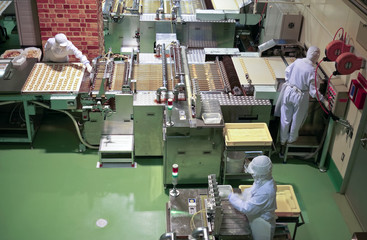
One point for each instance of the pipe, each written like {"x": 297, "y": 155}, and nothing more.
{"x": 201, "y": 232}
{"x": 168, "y": 236}
{"x": 326, "y": 145}
{"x": 72, "y": 119}
{"x": 8, "y": 102}
{"x": 164, "y": 65}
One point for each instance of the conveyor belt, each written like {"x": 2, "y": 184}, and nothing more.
{"x": 187, "y": 6}
{"x": 118, "y": 76}
{"x": 208, "y": 76}
{"x": 149, "y": 77}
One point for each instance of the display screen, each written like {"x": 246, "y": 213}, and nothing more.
{"x": 352, "y": 91}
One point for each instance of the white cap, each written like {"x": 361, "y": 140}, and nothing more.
{"x": 61, "y": 39}
{"x": 260, "y": 165}
{"x": 313, "y": 54}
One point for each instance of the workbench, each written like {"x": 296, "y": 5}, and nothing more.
{"x": 186, "y": 212}
{"x": 178, "y": 214}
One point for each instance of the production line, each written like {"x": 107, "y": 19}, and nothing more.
{"x": 180, "y": 81}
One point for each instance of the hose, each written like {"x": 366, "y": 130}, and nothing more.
{"x": 72, "y": 119}
{"x": 8, "y": 102}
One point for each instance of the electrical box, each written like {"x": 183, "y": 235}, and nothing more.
{"x": 283, "y": 21}
{"x": 357, "y": 91}
{"x": 337, "y": 94}
{"x": 63, "y": 102}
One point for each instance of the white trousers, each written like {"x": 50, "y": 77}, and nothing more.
{"x": 293, "y": 113}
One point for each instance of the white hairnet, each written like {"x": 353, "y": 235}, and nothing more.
{"x": 260, "y": 166}
{"x": 313, "y": 54}
{"x": 61, "y": 39}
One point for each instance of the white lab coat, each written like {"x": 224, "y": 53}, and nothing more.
{"x": 258, "y": 203}
{"x": 300, "y": 83}
{"x": 53, "y": 53}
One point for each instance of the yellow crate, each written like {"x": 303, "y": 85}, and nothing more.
{"x": 247, "y": 134}
{"x": 287, "y": 203}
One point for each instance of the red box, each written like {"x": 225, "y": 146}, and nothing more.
{"x": 357, "y": 94}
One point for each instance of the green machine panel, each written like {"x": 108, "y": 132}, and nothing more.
{"x": 197, "y": 151}
{"x": 148, "y": 123}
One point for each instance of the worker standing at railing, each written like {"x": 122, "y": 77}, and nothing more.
{"x": 294, "y": 97}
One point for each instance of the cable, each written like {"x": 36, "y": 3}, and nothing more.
{"x": 74, "y": 121}
{"x": 8, "y": 102}
{"x": 337, "y": 33}
{"x": 317, "y": 91}
{"x": 192, "y": 223}
{"x": 261, "y": 17}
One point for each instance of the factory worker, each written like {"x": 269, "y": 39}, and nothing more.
{"x": 59, "y": 48}
{"x": 300, "y": 83}
{"x": 259, "y": 201}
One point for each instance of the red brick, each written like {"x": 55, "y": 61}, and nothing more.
{"x": 74, "y": 6}
{"x": 74, "y": 20}
{"x": 91, "y": 20}
{"x": 53, "y": 15}
{"x": 95, "y": 34}
{"x": 75, "y": 25}
{"x": 83, "y": 43}
{"x": 92, "y": 47}
{"x": 78, "y": 39}
{"x": 73, "y": 1}
{"x": 75, "y": 29}
{"x": 91, "y": 2}
{"x": 59, "y": 1}
{"x": 81, "y": 16}
{"x": 43, "y": 10}
{"x": 58, "y": 10}
{"x": 81, "y": 6}
{"x": 76, "y": 33}
{"x": 73, "y": 11}
{"x": 90, "y": 11}
{"x": 74, "y": 16}
{"x": 59, "y": 20}
{"x": 60, "y": 6}
{"x": 53, "y": 24}
{"x": 66, "y": 6}
{"x": 42, "y": 1}
{"x": 61, "y": 24}
{"x": 83, "y": 25}
{"x": 67, "y": 24}
{"x": 51, "y": 5}
{"x": 45, "y": 29}
{"x": 63, "y": 29}
{"x": 94, "y": 16}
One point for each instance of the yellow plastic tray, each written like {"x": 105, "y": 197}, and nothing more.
{"x": 287, "y": 203}
{"x": 247, "y": 134}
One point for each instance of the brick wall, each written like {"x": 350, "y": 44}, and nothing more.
{"x": 80, "y": 20}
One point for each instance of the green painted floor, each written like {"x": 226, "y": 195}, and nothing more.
{"x": 54, "y": 192}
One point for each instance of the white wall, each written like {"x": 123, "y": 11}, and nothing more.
{"x": 322, "y": 18}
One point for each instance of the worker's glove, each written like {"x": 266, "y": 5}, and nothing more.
{"x": 89, "y": 67}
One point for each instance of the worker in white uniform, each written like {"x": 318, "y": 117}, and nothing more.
{"x": 259, "y": 201}
{"x": 59, "y": 48}
{"x": 299, "y": 84}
